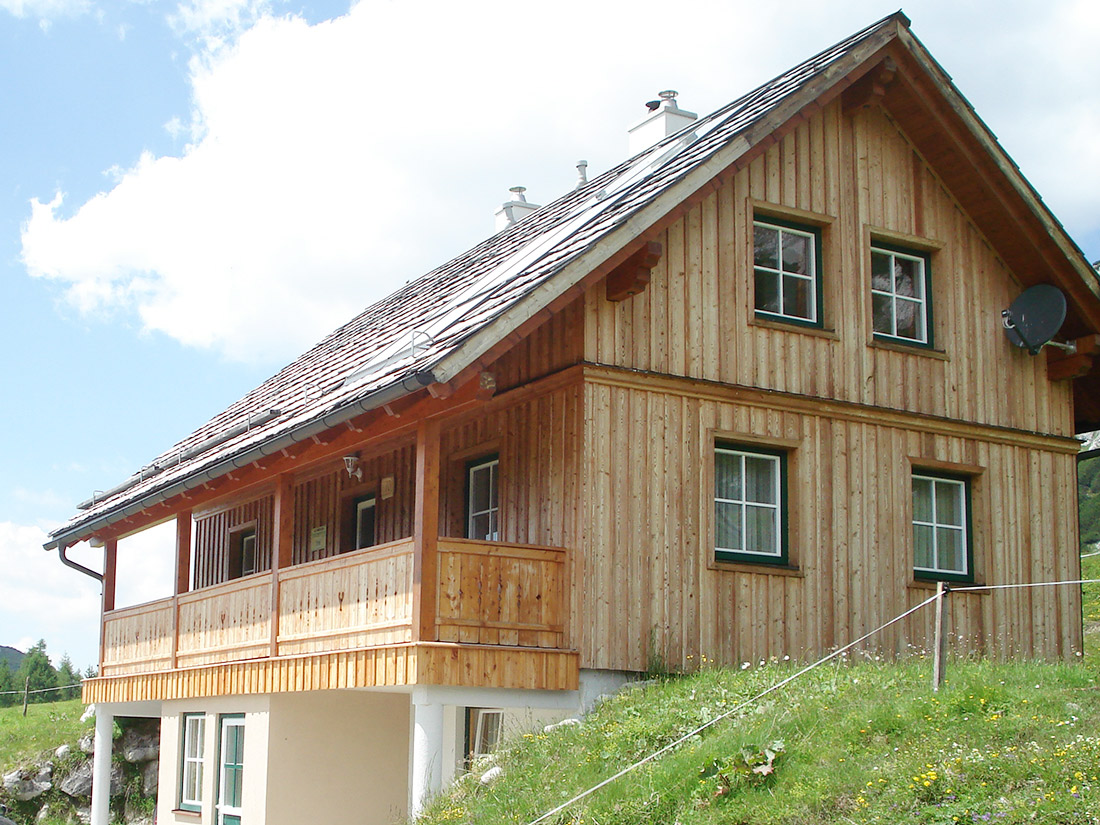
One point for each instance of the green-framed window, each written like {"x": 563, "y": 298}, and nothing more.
{"x": 230, "y": 768}
{"x": 192, "y": 744}
{"x": 750, "y": 504}
{"x": 787, "y": 271}
{"x": 942, "y": 533}
{"x": 901, "y": 294}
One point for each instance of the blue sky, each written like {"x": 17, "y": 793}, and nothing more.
{"x": 196, "y": 191}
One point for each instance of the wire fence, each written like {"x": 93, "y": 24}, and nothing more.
{"x": 940, "y": 594}
{"x": 39, "y": 690}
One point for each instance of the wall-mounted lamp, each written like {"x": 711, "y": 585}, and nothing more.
{"x": 351, "y": 464}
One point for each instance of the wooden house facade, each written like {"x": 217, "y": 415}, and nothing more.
{"x": 746, "y": 395}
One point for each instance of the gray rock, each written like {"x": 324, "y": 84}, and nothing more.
{"x": 24, "y": 786}
{"x": 84, "y": 815}
{"x": 87, "y": 743}
{"x": 56, "y": 811}
{"x": 88, "y": 713}
{"x": 63, "y": 751}
{"x": 150, "y": 778}
{"x": 140, "y": 744}
{"x": 78, "y": 784}
{"x": 492, "y": 775}
{"x": 5, "y": 821}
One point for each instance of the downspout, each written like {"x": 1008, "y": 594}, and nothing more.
{"x": 62, "y": 550}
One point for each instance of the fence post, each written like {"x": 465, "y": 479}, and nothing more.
{"x": 26, "y": 694}
{"x": 941, "y": 638}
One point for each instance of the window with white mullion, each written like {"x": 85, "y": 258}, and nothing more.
{"x": 748, "y": 501}
{"x": 483, "y": 507}
{"x": 899, "y": 299}
{"x": 941, "y": 541}
{"x": 194, "y": 736}
{"x": 785, "y": 264}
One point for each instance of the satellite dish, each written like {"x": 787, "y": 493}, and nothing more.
{"x": 1035, "y": 317}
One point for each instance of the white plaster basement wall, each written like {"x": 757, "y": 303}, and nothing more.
{"x": 337, "y": 756}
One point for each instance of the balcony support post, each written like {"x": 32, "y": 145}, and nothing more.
{"x": 425, "y": 750}
{"x": 183, "y": 576}
{"x": 110, "y": 571}
{"x": 101, "y": 766}
{"x": 426, "y": 532}
{"x": 282, "y": 547}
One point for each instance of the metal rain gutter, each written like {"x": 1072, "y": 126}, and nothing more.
{"x": 87, "y": 571}
{"x": 308, "y": 429}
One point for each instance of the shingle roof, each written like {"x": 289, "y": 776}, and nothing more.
{"x": 398, "y": 341}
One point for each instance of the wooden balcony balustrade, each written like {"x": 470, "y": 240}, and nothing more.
{"x": 487, "y": 593}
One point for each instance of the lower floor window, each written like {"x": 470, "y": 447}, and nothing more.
{"x": 231, "y": 770}
{"x": 194, "y": 736}
{"x": 749, "y": 505}
{"x": 941, "y": 528}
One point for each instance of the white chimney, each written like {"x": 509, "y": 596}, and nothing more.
{"x": 515, "y": 210}
{"x": 664, "y": 118}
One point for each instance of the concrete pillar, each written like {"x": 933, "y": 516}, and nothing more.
{"x": 425, "y": 752}
{"x": 101, "y": 766}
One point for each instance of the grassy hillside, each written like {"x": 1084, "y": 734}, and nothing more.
{"x": 866, "y": 743}
{"x": 44, "y": 728}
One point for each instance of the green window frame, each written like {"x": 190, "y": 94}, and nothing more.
{"x": 230, "y": 792}
{"x": 943, "y": 547}
{"x": 750, "y": 504}
{"x": 901, "y": 294}
{"x": 192, "y": 761}
{"x": 787, "y": 271}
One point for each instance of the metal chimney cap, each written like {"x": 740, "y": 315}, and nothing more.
{"x": 518, "y": 192}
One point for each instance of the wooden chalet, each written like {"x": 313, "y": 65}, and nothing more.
{"x": 745, "y": 395}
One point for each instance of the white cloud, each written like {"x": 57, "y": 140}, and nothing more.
{"x": 328, "y": 163}
{"x": 42, "y": 599}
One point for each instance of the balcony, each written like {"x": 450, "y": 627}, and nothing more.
{"x": 496, "y": 607}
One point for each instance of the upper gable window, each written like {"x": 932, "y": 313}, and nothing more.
{"x": 901, "y": 306}
{"x": 787, "y": 271}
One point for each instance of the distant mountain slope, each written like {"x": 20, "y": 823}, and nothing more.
{"x": 14, "y": 657}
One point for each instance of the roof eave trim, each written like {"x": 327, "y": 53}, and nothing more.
{"x": 307, "y": 429}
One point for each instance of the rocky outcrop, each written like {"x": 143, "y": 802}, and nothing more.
{"x": 58, "y": 786}
{"x": 78, "y": 784}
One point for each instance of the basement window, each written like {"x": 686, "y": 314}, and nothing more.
{"x": 483, "y": 728}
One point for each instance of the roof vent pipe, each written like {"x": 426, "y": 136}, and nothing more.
{"x": 515, "y": 210}
{"x": 664, "y": 118}
{"x": 582, "y": 173}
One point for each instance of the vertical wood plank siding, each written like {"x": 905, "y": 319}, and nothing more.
{"x": 695, "y": 318}
{"x": 652, "y": 587}
{"x": 646, "y": 559}
{"x": 211, "y": 537}
{"x": 137, "y": 639}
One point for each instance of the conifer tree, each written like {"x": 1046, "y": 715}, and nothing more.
{"x": 68, "y": 675}
{"x": 37, "y": 669}
{"x": 7, "y": 683}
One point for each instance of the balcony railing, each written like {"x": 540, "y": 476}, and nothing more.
{"x": 488, "y": 593}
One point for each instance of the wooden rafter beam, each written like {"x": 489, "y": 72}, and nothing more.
{"x": 632, "y": 275}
